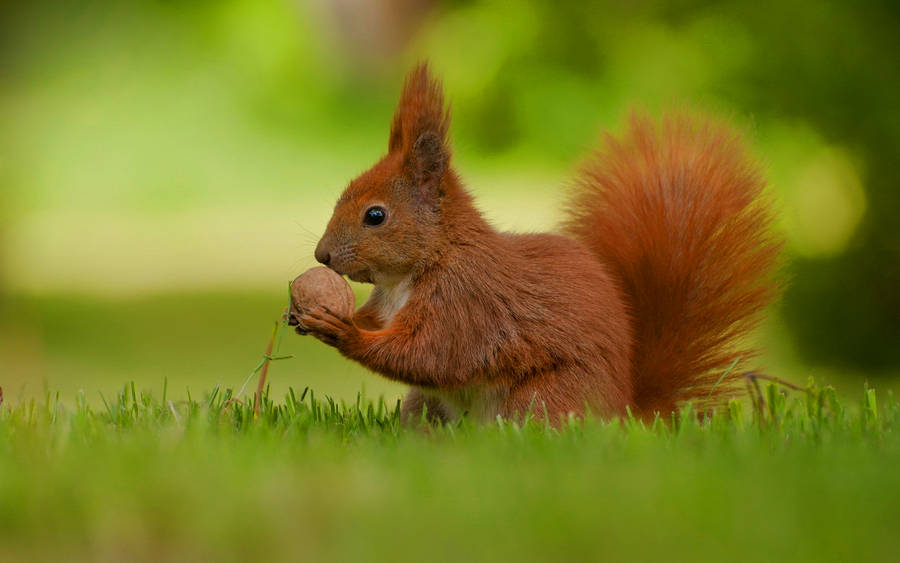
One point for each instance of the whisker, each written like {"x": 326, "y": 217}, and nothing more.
{"x": 306, "y": 230}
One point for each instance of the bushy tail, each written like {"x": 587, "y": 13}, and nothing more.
{"x": 678, "y": 212}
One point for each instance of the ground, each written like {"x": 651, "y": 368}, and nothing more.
{"x": 153, "y": 476}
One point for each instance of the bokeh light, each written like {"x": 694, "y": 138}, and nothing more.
{"x": 171, "y": 160}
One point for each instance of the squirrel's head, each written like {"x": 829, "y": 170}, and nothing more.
{"x": 387, "y": 221}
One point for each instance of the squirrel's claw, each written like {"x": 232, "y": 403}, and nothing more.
{"x": 325, "y": 326}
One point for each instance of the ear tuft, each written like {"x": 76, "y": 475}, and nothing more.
{"x": 420, "y": 111}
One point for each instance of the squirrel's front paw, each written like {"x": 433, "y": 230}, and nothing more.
{"x": 322, "y": 323}
{"x": 293, "y": 319}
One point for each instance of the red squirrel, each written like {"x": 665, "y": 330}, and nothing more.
{"x": 642, "y": 301}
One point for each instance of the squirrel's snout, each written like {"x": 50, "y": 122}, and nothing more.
{"x": 322, "y": 255}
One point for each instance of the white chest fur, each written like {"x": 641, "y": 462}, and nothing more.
{"x": 390, "y": 299}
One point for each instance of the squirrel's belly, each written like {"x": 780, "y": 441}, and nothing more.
{"x": 481, "y": 403}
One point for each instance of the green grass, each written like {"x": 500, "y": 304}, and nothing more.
{"x": 150, "y": 476}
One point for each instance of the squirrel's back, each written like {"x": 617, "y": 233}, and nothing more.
{"x": 678, "y": 212}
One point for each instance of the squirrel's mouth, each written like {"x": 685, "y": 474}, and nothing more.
{"x": 361, "y": 276}
{"x": 358, "y": 274}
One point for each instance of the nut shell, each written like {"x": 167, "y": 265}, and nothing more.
{"x": 322, "y": 287}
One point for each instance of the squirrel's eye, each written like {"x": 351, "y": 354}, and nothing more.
{"x": 374, "y": 216}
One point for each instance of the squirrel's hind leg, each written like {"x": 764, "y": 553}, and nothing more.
{"x": 415, "y": 400}
{"x": 557, "y": 394}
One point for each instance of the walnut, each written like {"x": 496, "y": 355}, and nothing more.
{"x": 322, "y": 287}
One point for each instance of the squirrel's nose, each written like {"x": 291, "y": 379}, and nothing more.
{"x": 322, "y": 255}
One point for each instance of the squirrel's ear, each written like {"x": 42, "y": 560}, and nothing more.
{"x": 420, "y": 113}
{"x": 427, "y": 161}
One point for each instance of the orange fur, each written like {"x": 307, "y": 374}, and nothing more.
{"x": 679, "y": 214}
{"x": 666, "y": 266}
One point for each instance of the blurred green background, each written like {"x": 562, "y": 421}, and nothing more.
{"x": 166, "y": 167}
